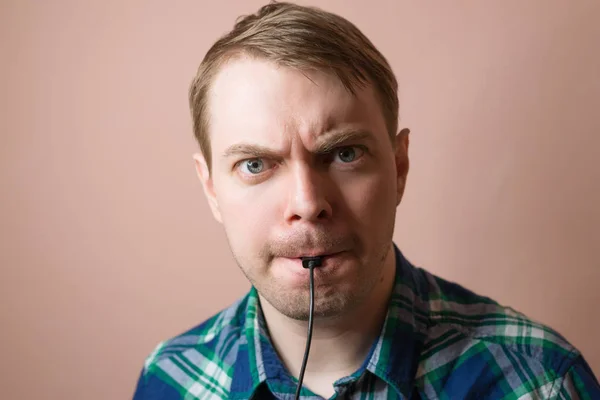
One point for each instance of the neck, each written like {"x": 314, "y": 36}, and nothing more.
{"x": 339, "y": 346}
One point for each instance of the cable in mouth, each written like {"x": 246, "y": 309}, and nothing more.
{"x": 307, "y": 262}
{"x": 310, "y": 263}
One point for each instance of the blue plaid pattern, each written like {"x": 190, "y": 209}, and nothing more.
{"x": 439, "y": 341}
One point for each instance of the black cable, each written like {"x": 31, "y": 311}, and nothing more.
{"x": 310, "y": 263}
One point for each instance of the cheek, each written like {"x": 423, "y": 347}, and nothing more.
{"x": 372, "y": 203}
{"x": 370, "y": 198}
{"x": 247, "y": 215}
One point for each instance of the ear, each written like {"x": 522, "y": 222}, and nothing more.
{"x": 402, "y": 161}
{"x": 207, "y": 184}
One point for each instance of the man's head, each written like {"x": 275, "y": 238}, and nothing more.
{"x": 296, "y": 115}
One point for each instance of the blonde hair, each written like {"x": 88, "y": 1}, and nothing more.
{"x": 300, "y": 37}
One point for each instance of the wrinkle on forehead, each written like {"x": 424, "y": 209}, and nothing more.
{"x": 260, "y": 102}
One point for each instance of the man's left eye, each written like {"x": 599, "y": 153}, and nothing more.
{"x": 348, "y": 154}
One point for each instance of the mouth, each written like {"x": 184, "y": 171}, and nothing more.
{"x": 321, "y": 254}
{"x": 333, "y": 266}
{"x": 328, "y": 259}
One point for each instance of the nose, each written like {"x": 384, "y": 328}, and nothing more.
{"x": 308, "y": 196}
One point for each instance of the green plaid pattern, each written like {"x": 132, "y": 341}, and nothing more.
{"x": 439, "y": 341}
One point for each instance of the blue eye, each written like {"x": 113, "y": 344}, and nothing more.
{"x": 348, "y": 154}
{"x": 253, "y": 166}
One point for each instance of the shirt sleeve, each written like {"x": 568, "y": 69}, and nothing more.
{"x": 580, "y": 382}
{"x": 138, "y": 394}
{"x": 151, "y": 387}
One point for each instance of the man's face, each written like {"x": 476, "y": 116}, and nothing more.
{"x": 301, "y": 167}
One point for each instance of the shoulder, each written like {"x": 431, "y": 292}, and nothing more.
{"x": 473, "y": 337}
{"x": 199, "y": 360}
{"x": 454, "y": 307}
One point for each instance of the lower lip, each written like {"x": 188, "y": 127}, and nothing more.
{"x": 329, "y": 264}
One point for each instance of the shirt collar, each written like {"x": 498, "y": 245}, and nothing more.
{"x": 249, "y": 371}
{"x": 394, "y": 356}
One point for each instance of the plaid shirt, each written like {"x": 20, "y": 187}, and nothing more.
{"x": 439, "y": 341}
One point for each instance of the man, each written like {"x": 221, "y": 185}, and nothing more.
{"x": 296, "y": 112}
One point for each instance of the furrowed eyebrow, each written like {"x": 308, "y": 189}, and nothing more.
{"x": 250, "y": 150}
{"x": 326, "y": 144}
{"x": 338, "y": 138}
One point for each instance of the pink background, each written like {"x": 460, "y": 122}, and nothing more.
{"x": 107, "y": 245}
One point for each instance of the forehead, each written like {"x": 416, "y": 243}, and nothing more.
{"x": 254, "y": 100}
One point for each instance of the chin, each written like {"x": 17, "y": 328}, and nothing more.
{"x": 330, "y": 302}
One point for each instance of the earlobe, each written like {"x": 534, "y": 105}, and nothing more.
{"x": 206, "y": 180}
